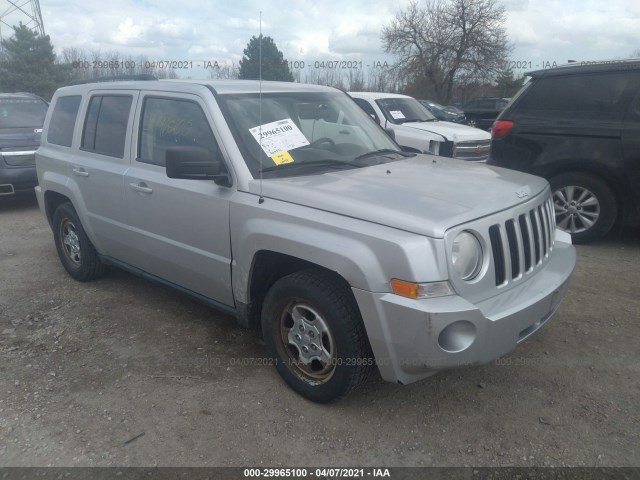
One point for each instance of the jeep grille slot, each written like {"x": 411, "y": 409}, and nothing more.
{"x": 513, "y": 248}
{"x": 498, "y": 253}
{"x": 529, "y": 239}
{"x": 525, "y": 232}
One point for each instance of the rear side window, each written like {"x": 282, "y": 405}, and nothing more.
{"x": 579, "y": 93}
{"x": 105, "y": 127}
{"x": 168, "y": 122}
{"x": 63, "y": 120}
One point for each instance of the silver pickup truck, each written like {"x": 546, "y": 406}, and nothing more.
{"x": 288, "y": 207}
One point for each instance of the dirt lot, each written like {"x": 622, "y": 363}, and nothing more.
{"x": 86, "y": 367}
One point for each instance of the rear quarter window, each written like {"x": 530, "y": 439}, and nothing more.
{"x": 608, "y": 92}
{"x": 63, "y": 120}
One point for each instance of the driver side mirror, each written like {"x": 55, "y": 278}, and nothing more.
{"x": 196, "y": 163}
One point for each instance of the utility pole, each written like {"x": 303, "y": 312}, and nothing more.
{"x": 13, "y": 12}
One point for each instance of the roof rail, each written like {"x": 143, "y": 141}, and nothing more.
{"x": 115, "y": 78}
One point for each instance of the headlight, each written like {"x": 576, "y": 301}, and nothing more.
{"x": 466, "y": 255}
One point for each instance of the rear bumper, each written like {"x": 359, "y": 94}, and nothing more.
{"x": 17, "y": 180}
{"x": 413, "y": 339}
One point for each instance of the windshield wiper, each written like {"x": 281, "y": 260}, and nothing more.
{"x": 326, "y": 162}
{"x": 382, "y": 152}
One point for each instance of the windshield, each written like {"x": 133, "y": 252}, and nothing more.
{"x": 305, "y": 133}
{"x": 22, "y": 112}
{"x": 402, "y": 110}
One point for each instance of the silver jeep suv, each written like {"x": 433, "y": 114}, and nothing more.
{"x": 287, "y": 206}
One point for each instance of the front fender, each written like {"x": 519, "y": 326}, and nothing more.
{"x": 365, "y": 254}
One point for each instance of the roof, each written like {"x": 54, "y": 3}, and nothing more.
{"x": 21, "y": 97}
{"x": 219, "y": 86}
{"x": 576, "y": 68}
{"x": 377, "y": 95}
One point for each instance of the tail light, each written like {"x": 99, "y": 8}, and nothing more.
{"x": 500, "y": 128}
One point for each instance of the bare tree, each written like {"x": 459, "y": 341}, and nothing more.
{"x": 445, "y": 41}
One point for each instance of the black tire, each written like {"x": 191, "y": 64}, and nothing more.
{"x": 321, "y": 301}
{"x": 585, "y": 206}
{"x": 77, "y": 254}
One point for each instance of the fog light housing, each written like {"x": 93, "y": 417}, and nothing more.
{"x": 457, "y": 337}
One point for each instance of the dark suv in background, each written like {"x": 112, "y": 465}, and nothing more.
{"x": 579, "y": 127}
{"x": 21, "y": 119}
{"x": 482, "y": 111}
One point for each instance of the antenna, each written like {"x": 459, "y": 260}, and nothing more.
{"x": 261, "y": 199}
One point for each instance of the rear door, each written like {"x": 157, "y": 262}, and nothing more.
{"x": 180, "y": 228}
{"x": 97, "y": 170}
{"x": 631, "y": 146}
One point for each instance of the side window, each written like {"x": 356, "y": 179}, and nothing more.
{"x": 580, "y": 93}
{"x": 63, "y": 120}
{"x": 105, "y": 127}
{"x": 366, "y": 106}
{"x": 172, "y": 123}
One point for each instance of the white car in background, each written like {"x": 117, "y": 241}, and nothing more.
{"x": 412, "y": 125}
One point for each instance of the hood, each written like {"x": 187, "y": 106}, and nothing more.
{"x": 425, "y": 194}
{"x": 453, "y": 132}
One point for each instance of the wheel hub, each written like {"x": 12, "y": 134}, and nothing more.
{"x": 577, "y": 209}
{"x": 310, "y": 345}
{"x": 71, "y": 242}
{"x": 306, "y": 338}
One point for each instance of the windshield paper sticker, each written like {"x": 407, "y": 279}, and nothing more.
{"x": 282, "y": 158}
{"x": 396, "y": 114}
{"x": 280, "y": 136}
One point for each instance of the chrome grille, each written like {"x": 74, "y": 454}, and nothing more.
{"x": 521, "y": 244}
{"x": 476, "y": 151}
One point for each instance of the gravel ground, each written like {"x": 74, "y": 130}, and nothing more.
{"x": 87, "y": 368}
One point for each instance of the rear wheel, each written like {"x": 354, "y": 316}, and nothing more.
{"x": 77, "y": 254}
{"x": 314, "y": 333}
{"x": 584, "y": 206}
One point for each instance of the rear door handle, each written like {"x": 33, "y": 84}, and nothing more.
{"x": 141, "y": 187}
{"x": 80, "y": 172}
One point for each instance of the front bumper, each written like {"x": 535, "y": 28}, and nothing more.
{"x": 413, "y": 339}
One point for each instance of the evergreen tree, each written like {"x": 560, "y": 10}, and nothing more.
{"x": 507, "y": 84}
{"x": 28, "y": 64}
{"x": 274, "y": 66}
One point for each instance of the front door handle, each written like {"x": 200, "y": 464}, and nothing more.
{"x": 141, "y": 187}
{"x": 80, "y": 172}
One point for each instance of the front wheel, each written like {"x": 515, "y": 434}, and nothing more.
{"x": 584, "y": 206}
{"x": 315, "y": 334}
{"x": 77, "y": 255}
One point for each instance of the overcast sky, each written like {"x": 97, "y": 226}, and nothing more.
{"x": 540, "y": 30}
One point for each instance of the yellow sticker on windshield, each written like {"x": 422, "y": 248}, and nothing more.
{"x": 282, "y": 158}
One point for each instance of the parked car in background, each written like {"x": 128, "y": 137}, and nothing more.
{"x": 413, "y": 126}
{"x": 482, "y": 112}
{"x": 446, "y": 114}
{"x": 579, "y": 127}
{"x": 21, "y": 119}
{"x": 286, "y": 206}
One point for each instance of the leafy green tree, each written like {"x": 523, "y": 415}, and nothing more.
{"x": 28, "y": 64}
{"x": 507, "y": 84}
{"x": 274, "y": 66}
